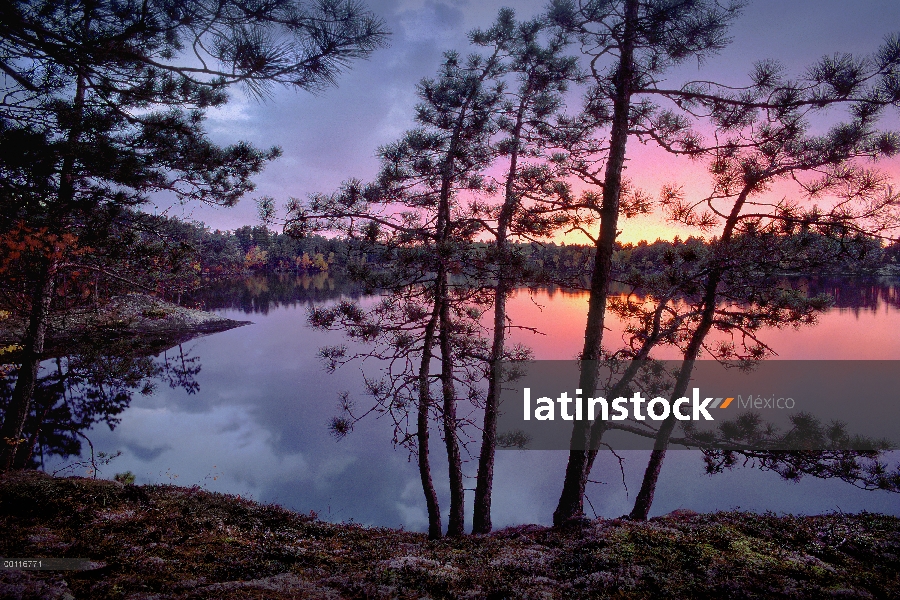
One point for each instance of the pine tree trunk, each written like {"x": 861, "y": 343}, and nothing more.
{"x": 644, "y": 499}
{"x": 571, "y": 500}
{"x": 481, "y": 520}
{"x": 26, "y": 380}
{"x": 456, "y": 521}
{"x": 444, "y": 243}
{"x": 422, "y": 431}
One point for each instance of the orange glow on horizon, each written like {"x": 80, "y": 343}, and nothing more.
{"x": 642, "y": 228}
{"x": 650, "y": 168}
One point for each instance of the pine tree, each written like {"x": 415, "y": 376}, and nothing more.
{"x": 533, "y": 137}
{"x": 410, "y": 218}
{"x": 629, "y": 46}
{"x": 103, "y": 104}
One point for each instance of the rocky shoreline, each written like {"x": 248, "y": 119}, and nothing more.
{"x": 140, "y": 319}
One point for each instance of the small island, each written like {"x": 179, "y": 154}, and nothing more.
{"x": 146, "y": 324}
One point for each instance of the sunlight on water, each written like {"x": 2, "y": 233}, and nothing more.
{"x": 867, "y": 329}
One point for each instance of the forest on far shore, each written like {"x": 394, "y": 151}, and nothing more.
{"x": 201, "y": 254}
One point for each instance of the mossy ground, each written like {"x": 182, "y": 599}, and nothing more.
{"x": 169, "y": 542}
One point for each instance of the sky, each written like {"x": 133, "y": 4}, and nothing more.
{"x": 332, "y": 136}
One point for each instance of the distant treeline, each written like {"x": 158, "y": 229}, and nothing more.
{"x": 257, "y": 249}
{"x": 251, "y": 249}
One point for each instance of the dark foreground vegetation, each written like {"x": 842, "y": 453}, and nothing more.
{"x": 164, "y": 541}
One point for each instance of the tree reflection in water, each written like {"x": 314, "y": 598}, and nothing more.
{"x": 258, "y": 294}
{"x": 93, "y": 384}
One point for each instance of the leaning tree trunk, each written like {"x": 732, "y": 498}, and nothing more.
{"x": 456, "y": 521}
{"x": 26, "y": 380}
{"x": 644, "y": 499}
{"x": 481, "y": 520}
{"x": 571, "y": 500}
{"x": 422, "y": 423}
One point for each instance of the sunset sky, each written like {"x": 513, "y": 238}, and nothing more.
{"x": 330, "y": 137}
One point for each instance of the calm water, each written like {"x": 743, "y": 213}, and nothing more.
{"x": 257, "y": 424}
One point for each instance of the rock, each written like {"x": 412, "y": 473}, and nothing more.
{"x": 283, "y": 583}
{"x": 148, "y": 324}
{"x": 682, "y": 513}
{"x": 24, "y": 585}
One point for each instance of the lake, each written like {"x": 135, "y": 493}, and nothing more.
{"x": 255, "y": 421}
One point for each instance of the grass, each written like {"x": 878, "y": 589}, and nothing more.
{"x": 162, "y": 541}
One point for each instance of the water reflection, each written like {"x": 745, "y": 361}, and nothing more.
{"x": 254, "y": 420}
{"x": 93, "y": 384}
{"x": 259, "y": 294}
{"x": 861, "y": 323}
{"x": 855, "y": 295}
